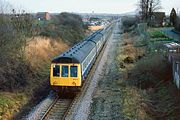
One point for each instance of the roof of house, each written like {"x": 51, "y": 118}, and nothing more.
{"x": 159, "y": 14}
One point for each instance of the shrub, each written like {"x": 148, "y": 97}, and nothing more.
{"x": 14, "y": 75}
{"x": 150, "y": 71}
{"x": 66, "y": 26}
{"x": 128, "y": 23}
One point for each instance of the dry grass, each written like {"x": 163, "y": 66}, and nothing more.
{"x": 94, "y": 28}
{"x": 42, "y": 49}
{"x": 10, "y": 103}
{"x": 129, "y": 52}
{"x": 132, "y": 105}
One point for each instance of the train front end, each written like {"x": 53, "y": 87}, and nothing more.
{"x": 65, "y": 75}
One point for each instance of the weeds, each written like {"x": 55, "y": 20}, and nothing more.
{"x": 129, "y": 54}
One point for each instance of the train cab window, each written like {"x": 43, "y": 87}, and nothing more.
{"x": 65, "y": 71}
{"x": 73, "y": 70}
{"x": 56, "y": 71}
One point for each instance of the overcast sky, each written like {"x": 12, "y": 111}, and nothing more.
{"x": 87, "y": 6}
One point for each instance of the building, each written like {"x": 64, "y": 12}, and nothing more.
{"x": 174, "y": 59}
{"x": 43, "y": 16}
{"x": 157, "y": 19}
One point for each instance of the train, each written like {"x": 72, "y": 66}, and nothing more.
{"x": 70, "y": 69}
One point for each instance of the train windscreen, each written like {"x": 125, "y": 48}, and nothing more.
{"x": 73, "y": 70}
{"x": 65, "y": 71}
{"x": 56, "y": 71}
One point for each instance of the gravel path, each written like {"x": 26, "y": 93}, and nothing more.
{"x": 84, "y": 108}
{"x": 106, "y": 98}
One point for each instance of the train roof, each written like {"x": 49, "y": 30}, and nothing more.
{"x": 78, "y": 52}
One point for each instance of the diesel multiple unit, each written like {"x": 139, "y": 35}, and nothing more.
{"x": 71, "y": 68}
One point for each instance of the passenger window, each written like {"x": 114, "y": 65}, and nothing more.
{"x": 64, "y": 71}
{"x": 73, "y": 71}
{"x": 56, "y": 71}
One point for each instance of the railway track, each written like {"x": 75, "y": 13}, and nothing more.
{"x": 58, "y": 109}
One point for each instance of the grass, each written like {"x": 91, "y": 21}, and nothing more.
{"x": 156, "y": 33}
{"x": 41, "y": 50}
{"x": 11, "y": 103}
{"x": 161, "y": 40}
{"x": 132, "y": 105}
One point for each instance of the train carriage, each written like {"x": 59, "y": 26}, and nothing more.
{"x": 71, "y": 68}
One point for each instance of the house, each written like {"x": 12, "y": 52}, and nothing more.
{"x": 157, "y": 19}
{"x": 166, "y": 21}
{"x": 43, "y": 16}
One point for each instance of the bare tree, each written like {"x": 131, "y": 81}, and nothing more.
{"x": 15, "y": 27}
{"x": 147, "y": 8}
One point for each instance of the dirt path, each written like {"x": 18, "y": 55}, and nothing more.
{"x": 106, "y": 98}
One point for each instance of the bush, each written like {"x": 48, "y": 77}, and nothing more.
{"x": 151, "y": 70}
{"x": 66, "y": 26}
{"x": 128, "y": 23}
{"x": 14, "y": 31}
{"x": 14, "y": 75}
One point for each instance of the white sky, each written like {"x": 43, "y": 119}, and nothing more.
{"x": 87, "y": 6}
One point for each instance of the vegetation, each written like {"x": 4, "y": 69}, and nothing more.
{"x": 175, "y": 20}
{"x": 66, "y": 26}
{"x": 157, "y": 34}
{"x": 156, "y": 41}
{"x": 27, "y": 47}
{"x": 129, "y": 23}
{"x": 173, "y": 16}
{"x": 129, "y": 53}
{"x": 147, "y": 90}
